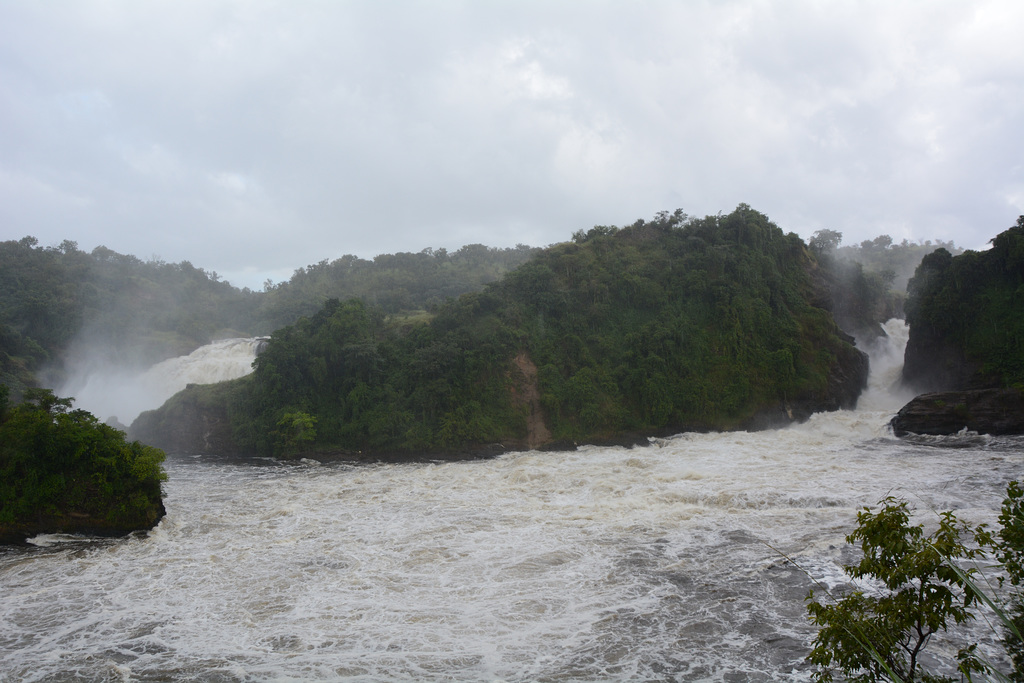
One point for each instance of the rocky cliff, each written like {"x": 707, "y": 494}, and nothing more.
{"x": 966, "y": 317}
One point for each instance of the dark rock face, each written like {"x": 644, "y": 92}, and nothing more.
{"x": 17, "y": 533}
{"x": 933, "y": 363}
{"x": 187, "y": 424}
{"x": 988, "y": 411}
{"x": 847, "y": 380}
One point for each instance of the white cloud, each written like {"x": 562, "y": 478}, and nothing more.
{"x": 20, "y": 193}
{"x": 232, "y": 182}
{"x": 84, "y": 105}
{"x": 152, "y": 160}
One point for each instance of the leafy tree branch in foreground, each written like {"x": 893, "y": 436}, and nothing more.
{"x": 922, "y": 590}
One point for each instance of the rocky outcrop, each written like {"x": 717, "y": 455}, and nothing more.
{"x": 933, "y": 362}
{"x": 847, "y": 379}
{"x": 987, "y": 411}
{"x": 965, "y": 317}
{"x": 966, "y": 324}
{"x": 79, "y": 522}
{"x": 190, "y": 422}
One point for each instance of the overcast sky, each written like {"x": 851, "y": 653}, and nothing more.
{"x": 252, "y": 138}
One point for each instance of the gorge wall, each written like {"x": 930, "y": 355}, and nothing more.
{"x": 966, "y": 347}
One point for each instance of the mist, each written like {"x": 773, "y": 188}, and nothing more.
{"x": 117, "y": 394}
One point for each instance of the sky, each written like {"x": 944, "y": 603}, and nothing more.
{"x": 252, "y": 138}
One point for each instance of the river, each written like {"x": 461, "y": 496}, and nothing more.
{"x": 667, "y": 562}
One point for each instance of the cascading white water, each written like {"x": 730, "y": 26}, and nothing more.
{"x": 108, "y": 392}
{"x": 659, "y": 563}
{"x": 886, "y": 354}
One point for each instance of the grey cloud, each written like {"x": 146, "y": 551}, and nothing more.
{"x": 253, "y": 138}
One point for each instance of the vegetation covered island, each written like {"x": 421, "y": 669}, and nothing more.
{"x": 63, "y": 471}
{"x": 667, "y": 325}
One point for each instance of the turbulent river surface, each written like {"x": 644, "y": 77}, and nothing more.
{"x": 666, "y": 562}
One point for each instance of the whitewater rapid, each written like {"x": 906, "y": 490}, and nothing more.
{"x": 670, "y": 562}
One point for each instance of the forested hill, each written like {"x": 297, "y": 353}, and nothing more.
{"x": 966, "y": 316}
{"x": 670, "y": 324}
{"x": 54, "y": 297}
{"x": 58, "y": 304}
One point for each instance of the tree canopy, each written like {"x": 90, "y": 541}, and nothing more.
{"x": 670, "y": 324}
{"x": 62, "y": 470}
{"x": 58, "y": 304}
{"x": 974, "y": 304}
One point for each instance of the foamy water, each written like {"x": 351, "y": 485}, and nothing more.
{"x": 658, "y": 563}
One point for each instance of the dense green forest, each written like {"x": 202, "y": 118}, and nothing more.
{"x": 966, "y": 315}
{"x": 61, "y": 470}
{"x": 394, "y": 283}
{"x": 669, "y": 324}
{"x": 54, "y": 297}
{"x": 58, "y": 303}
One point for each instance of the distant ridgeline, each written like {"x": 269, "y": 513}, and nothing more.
{"x": 966, "y": 316}
{"x": 58, "y": 303}
{"x": 667, "y": 325}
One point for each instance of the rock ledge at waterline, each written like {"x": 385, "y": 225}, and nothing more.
{"x": 987, "y": 411}
{"x": 194, "y": 423}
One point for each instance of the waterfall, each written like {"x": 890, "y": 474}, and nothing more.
{"x": 882, "y": 397}
{"x": 886, "y": 357}
{"x": 222, "y": 360}
{"x": 119, "y": 396}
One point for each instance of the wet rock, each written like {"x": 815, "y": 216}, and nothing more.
{"x": 19, "y": 531}
{"x": 188, "y": 423}
{"x": 987, "y": 411}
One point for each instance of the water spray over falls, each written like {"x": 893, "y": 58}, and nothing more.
{"x": 123, "y": 395}
{"x": 886, "y": 354}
